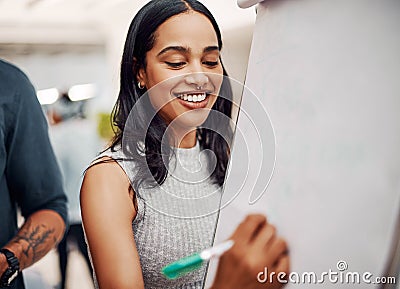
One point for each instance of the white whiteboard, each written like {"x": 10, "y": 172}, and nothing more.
{"x": 328, "y": 73}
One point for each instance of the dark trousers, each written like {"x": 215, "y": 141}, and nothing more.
{"x": 75, "y": 233}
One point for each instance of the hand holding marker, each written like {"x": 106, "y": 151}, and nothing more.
{"x": 193, "y": 262}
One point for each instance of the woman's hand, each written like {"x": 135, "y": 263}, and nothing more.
{"x": 256, "y": 247}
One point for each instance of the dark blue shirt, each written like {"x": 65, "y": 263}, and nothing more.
{"x": 29, "y": 175}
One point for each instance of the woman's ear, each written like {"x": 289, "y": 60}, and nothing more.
{"x": 141, "y": 77}
{"x": 140, "y": 74}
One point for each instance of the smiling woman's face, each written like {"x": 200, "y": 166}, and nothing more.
{"x": 183, "y": 72}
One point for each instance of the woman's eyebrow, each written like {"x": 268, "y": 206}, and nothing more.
{"x": 182, "y": 49}
{"x": 210, "y": 48}
{"x": 174, "y": 48}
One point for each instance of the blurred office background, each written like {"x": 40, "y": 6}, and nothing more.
{"x": 73, "y": 48}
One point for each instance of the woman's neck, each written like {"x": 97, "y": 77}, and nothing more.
{"x": 184, "y": 139}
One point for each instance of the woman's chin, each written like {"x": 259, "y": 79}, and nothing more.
{"x": 192, "y": 119}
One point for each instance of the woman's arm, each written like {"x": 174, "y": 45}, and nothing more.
{"x": 107, "y": 213}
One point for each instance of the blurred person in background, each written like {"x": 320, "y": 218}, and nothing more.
{"x": 30, "y": 179}
{"x": 75, "y": 144}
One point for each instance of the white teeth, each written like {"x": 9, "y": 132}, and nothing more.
{"x": 192, "y": 97}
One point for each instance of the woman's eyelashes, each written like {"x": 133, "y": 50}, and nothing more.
{"x": 211, "y": 63}
{"x": 181, "y": 64}
{"x": 175, "y": 64}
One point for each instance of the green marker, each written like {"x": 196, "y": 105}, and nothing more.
{"x": 194, "y": 262}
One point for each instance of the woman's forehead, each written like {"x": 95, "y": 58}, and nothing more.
{"x": 191, "y": 29}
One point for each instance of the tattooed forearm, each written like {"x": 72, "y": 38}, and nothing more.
{"x": 33, "y": 239}
{"x": 40, "y": 233}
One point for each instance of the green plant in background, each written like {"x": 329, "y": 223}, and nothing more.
{"x": 104, "y": 127}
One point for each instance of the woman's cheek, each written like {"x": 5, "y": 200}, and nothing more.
{"x": 217, "y": 80}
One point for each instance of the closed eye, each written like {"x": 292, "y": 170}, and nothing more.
{"x": 175, "y": 64}
{"x": 210, "y": 63}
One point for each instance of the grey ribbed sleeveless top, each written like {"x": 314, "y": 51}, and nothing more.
{"x": 175, "y": 219}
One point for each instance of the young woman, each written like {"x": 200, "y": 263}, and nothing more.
{"x": 152, "y": 197}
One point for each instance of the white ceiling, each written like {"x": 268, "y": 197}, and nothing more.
{"x": 88, "y": 22}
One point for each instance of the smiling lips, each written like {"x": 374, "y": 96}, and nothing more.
{"x": 193, "y": 97}
{"x": 193, "y": 100}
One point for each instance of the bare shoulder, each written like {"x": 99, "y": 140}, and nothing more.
{"x": 106, "y": 186}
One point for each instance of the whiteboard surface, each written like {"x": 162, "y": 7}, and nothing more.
{"x": 328, "y": 73}
{"x": 247, "y": 3}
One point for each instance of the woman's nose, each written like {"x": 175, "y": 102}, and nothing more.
{"x": 200, "y": 79}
